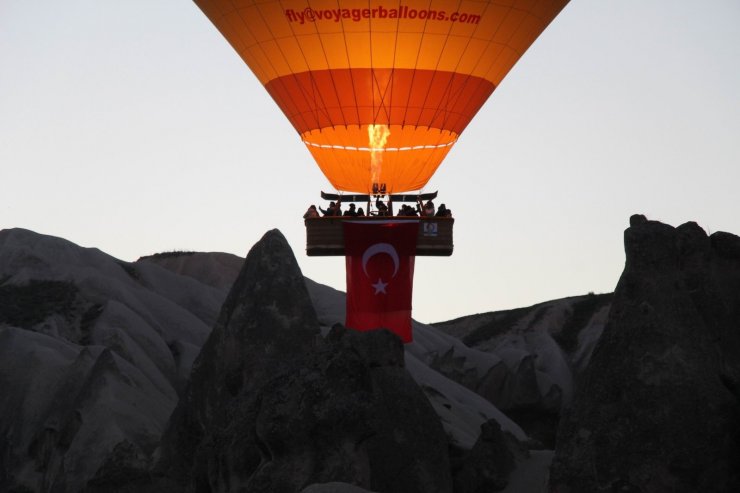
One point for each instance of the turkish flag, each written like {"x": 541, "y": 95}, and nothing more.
{"x": 380, "y": 274}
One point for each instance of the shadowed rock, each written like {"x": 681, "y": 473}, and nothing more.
{"x": 266, "y": 323}
{"x": 486, "y": 467}
{"x": 271, "y": 407}
{"x": 657, "y": 409}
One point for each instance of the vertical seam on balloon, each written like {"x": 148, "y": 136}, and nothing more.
{"x": 370, "y": 45}
{"x": 446, "y": 95}
{"x": 351, "y": 73}
{"x": 291, "y": 118}
{"x": 413, "y": 72}
{"x": 479, "y": 81}
{"x": 469, "y": 76}
{"x": 422, "y": 170}
{"x": 245, "y": 48}
{"x": 317, "y": 108}
{"x": 331, "y": 73}
{"x": 482, "y": 80}
{"x": 375, "y": 83}
{"x": 392, "y": 77}
{"x": 419, "y": 173}
{"x": 448, "y": 90}
{"x": 354, "y": 95}
{"x": 388, "y": 108}
{"x": 393, "y": 63}
{"x": 434, "y": 72}
{"x": 383, "y": 94}
{"x": 296, "y": 79}
{"x": 278, "y": 78}
{"x": 505, "y": 46}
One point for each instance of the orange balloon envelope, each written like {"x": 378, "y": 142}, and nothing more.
{"x": 380, "y": 90}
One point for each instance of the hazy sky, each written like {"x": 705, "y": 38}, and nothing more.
{"x": 133, "y": 127}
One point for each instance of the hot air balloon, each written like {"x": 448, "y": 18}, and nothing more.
{"x": 380, "y": 90}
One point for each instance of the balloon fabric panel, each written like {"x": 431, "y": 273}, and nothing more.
{"x": 421, "y": 69}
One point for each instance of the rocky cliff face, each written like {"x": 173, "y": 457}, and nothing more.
{"x": 95, "y": 354}
{"x": 525, "y": 360}
{"x": 271, "y": 406}
{"x": 92, "y": 354}
{"x": 262, "y": 326}
{"x": 658, "y": 408}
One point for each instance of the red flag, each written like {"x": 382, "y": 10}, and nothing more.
{"x": 380, "y": 274}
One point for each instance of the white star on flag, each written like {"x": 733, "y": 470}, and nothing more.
{"x": 380, "y": 286}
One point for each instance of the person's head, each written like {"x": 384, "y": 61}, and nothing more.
{"x": 352, "y": 206}
{"x": 331, "y": 204}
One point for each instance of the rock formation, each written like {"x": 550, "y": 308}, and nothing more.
{"x": 524, "y": 360}
{"x": 271, "y": 406}
{"x": 487, "y": 466}
{"x": 92, "y": 353}
{"x": 658, "y": 408}
{"x": 95, "y": 354}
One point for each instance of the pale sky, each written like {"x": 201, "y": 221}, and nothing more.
{"x": 133, "y": 127}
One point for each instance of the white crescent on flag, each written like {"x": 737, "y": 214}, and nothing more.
{"x": 379, "y": 248}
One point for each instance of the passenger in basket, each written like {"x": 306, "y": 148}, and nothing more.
{"x": 428, "y": 209}
{"x": 443, "y": 211}
{"x": 311, "y": 212}
{"x": 330, "y": 211}
{"x": 382, "y": 208}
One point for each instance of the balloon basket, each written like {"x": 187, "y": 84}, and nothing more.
{"x": 325, "y": 235}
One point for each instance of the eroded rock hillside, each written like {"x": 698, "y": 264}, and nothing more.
{"x": 207, "y": 372}
{"x": 658, "y": 407}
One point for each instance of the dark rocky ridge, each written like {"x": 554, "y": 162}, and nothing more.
{"x": 657, "y": 409}
{"x": 656, "y": 405}
{"x": 95, "y": 402}
{"x": 272, "y": 407}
